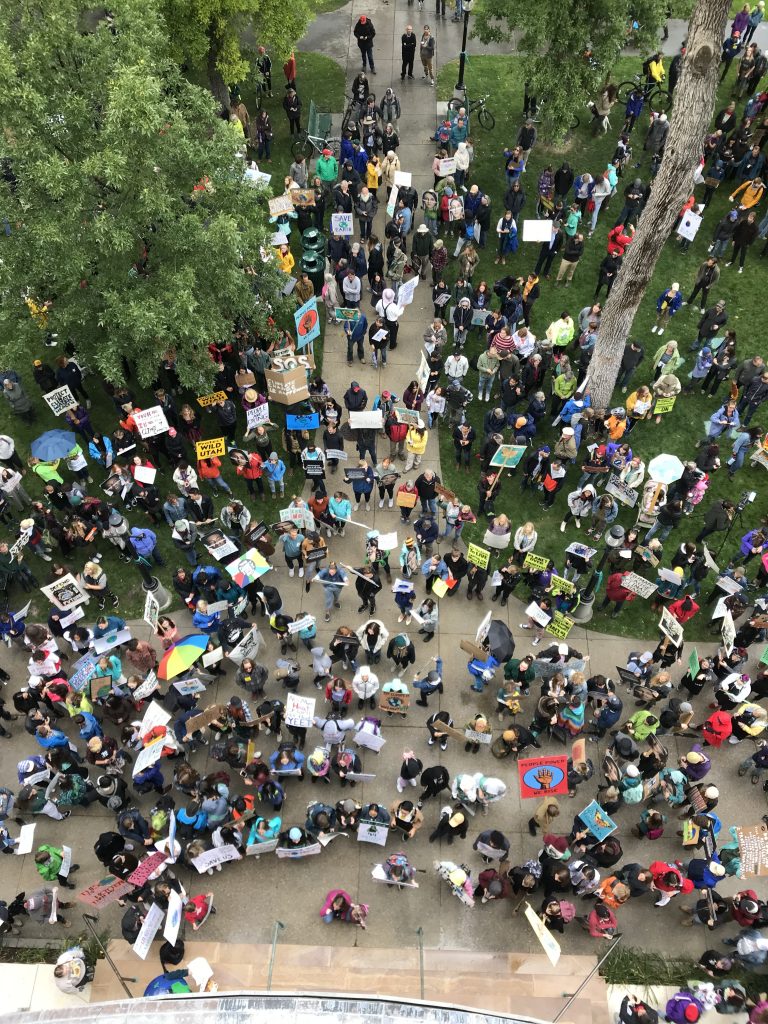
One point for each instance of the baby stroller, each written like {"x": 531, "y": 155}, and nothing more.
{"x": 457, "y": 877}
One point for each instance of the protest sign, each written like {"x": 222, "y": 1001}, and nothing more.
{"x": 150, "y": 422}
{"x": 218, "y": 544}
{"x": 543, "y": 776}
{"x": 410, "y": 416}
{"x": 407, "y": 291}
{"x": 84, "y": 672}
{"x": 26, "y": 839}
{"x": 597, "y": 821}
{"x": 248, "y": 646}
{"x": 214, "y": 713}
{"x": 188, "y": 687}
{"x": 218, "y": 855}
{"x": 537, "y": 613}
{"x": 727, "y": 631}
{"x": 446, "y": 166}
{"x": 753, "y": 850}
{"x": 280, "y": 205}
{"x": 149, "y": 686}
{"x": 103, "y": 644}
{"x": 549, "y": 943}
{"x": 257, "y": 849}
{"x": 560, "y": 626}
{"x": 480, "y": 556}
{"x": 342, "y": 224}
{"x": 60, "y": 400}
{"x": 148, "y": 756}
{"x": 299, "y": 710}
{"x": 297, "y": 852}
{"x": 664, "y": 405}
{"x": 728, "y": 585}
{"x": 65, "y": 592}
{"x": 368, "y": 419}
{"x": 105, "y": 891}
{"x": 248, "y": 567}
{"x": 508, "y": 455}
{"x": 689, "y": 225}
{"x": 147, "y": 867}
{"x": 211, "y": 657}
{"x": 392, "y": 201}
{"x": 145, "y": 938}
{"x": 215, "y": 396}
{"x": 151, "y": 610}
{"x": 537, "y": 230}
{"x": 403, "y": 178}
{"x": 173, "y": 917}
{"x": 307, "y": 322}
{"x": 366, "y": 737}
{"x": 560, "y": 585}
{"x": 210, "y": 448}
{"x": 305, "y": 621}
{"x": 288, "y": 387}
{"x": 456, "y": 208}
{"x": 303, "y": 196}
{"x": 623, "y": 492}
{"x": 257, "y": 415}
{"x": 538, "y": 563}
{"x": 670, "y": 627}
{"x": 372, "y": 832}
{"x": 472, "y": 736}
{"x": 300, "y": 516}
{"x": 342, "y": 315}
{"x": 309, "y": 421}
{"x": 638, "y": 585}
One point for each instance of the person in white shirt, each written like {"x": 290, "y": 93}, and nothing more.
{"x": 525, "y": 342}
{"x": 365, "y": 684}
{"x": 456, "y": 366}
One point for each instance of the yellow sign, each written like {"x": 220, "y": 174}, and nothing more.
{"x": 480, "y": 556}
{"x": 536, "y": 562}
{"x": 216, "y": 396}
{"x": 664, "y": 405}
{"x": 560, "y": 585}
{"x": 211, "y": 447}
{"x": 560, "y": 626}
{"x": 440, "y": 588}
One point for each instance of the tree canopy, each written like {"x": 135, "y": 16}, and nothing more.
{"x": 123, "y": 197}
{"x": 555, "y": 39}
{"x": 219, "y": 37}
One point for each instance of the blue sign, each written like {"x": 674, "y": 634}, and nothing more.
{"x": 597, "y": 821}
{"x": 308, "y": 422}
{"x": 307, "y": 321}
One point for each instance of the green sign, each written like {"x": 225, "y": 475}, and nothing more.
{"x": 663, "y": 405}
{"x": 693, "y": 663}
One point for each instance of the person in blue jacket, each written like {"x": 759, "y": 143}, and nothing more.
{"x": 49, "y": 738}
{"x": 363, "y": 488}
{"x": 429, "y": 683}
{"x": 144, "y": 543}
{"x": 356, "y": 333}
{"x": 100, "y": 450}
{"x": 106, "y": 625}
{"x": 432, "y": 569}
{"x": 704, "y": 872}
{"x": 205, "y": 621}
{"x": 482, "y": 672}
{"x": 274, "y": 470}
{"x": 633, "y": 109}
{"x": 667, "y": 305}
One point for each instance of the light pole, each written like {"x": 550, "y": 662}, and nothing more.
{"x": 614, "y": 538}
{"x": 467, "y": 6}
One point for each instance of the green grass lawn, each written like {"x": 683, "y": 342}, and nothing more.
{"x": 748, "y": 316}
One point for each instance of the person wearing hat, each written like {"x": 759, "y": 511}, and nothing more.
{"x": 39, "y": 904}
{"x": 683, "y": 1008}
{"x": 667, "y": 304}
{"x": 364, "y": 32}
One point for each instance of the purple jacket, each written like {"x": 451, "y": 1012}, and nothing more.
{"x": 740, "y": 22}
{"x": 676, "y": 1006}
{"x": 748, "y": 542}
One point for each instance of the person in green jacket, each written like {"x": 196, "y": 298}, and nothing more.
{"x": 642, "y": 725}
{"x": 327, "y": 168}
{"x": 563, "y": 387}
{"x": 48, "y": 861}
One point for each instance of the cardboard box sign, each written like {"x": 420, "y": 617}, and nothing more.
{"x": 288, "y": 387}
{"x": 406, "y": 499}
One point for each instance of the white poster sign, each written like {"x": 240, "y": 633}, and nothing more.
{"x": 728, "y": 631}
{"x": 248, "y": 646}
{"x": 151, "y": 610}
{"x": 146, "y": 936}
{"x": 372, "y": 832}
{"x": 638, "y": 585}
{"x": 173, "y": 917}
{"x": 407, "y": 289}
{"x": 150, "y": 421}
{"x": 60, "y": 400}
{"x": 65, "y": 592}
{"x": 299, "y": 710}
{"x": 403, "y": 178}
{"x": 368, "y": 419}
{"x": 26, "y": 840}
{"x": 257, "y": 415}
{"x": 218, "y": 855}
{"x": 537, "y": 230}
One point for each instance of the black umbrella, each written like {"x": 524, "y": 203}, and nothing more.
{"x": 500, "y": 642}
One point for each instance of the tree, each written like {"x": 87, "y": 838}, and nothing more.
{"x": 218, "y": 37}
{"x": 124, "y": 197}
{"x": 694, "y": 100}
{"x": 560, "y": 73}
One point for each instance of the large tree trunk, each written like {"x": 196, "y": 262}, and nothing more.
{"x": 216, "y": 82}
{"x": 694, "y": 100}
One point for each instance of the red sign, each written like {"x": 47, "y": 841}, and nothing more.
{"x": 105, "y": 891}
{"x": 147, "y": 867}
{"x": 543, "y": 776}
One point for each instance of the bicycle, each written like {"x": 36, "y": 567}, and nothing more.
{"x": 657, "y": 98}
{"x": 484, "y": 117}
{"x": 316, "y": 138}
{"x": 536, "y": 117}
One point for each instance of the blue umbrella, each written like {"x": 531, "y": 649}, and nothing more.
{"x": 53, "y": 444}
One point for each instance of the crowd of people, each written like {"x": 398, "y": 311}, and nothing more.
{"x": 209, "y": 788}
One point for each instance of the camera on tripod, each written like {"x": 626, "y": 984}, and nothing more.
{"x": 747, "y": 497}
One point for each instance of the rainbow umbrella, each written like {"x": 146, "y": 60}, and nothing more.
{"x": 182, "y": 655}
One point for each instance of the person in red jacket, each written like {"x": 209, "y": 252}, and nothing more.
{"x": 746, "y": 908}
{"x": 396, "y": 430}
{"x": 619, "y": 239}
{"x": 616, "y": 594}
{"x": 196, "y": 909}
{"x": 717, "y": 729}
{"x": 684, "y": 609}
{"x": 250, "y": 471}
{"x": 668, "y": 880}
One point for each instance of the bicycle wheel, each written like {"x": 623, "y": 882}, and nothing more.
{"x": 346, "y": 119}
{"x": 623, "y": 91}
{"x": 303, "y": 147}
{"x": 486, "y": 119}
{"x": 660, "y": 101}
{"x": 456, "y": 103}
{"x": 575, "y": 122}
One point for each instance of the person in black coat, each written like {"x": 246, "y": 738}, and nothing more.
{"x": 68, "y": 373}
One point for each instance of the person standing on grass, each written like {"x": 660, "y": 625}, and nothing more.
{"x": 744, "y": 236}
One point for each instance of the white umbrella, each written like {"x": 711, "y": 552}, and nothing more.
{"x": 665, "y": 469}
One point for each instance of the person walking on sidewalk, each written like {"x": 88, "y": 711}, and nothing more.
{"x": 364, "y": 33}
{"x": 408, "y": 52}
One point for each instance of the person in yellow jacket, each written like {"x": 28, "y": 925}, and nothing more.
{"x": 753, "y": 193}
{"x": 285, "y": 259}
{"x": 373, "y": 173}
{"x": 654, "y": 70}
{"x": 415, "y": 446}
